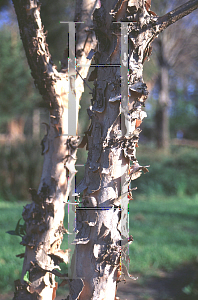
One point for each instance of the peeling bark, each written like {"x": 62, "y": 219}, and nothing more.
{"x": 111, "y": 166}
{"x": 110, "y": 154}
{"x": 44, "y": 216}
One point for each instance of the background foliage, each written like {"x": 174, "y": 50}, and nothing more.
{"x": 175, "y": 174}
{"x": 21, "y": 169}
{"x": 18, "y": 96}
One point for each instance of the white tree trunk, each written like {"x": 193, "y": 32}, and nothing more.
{"x": 44, "y": 216}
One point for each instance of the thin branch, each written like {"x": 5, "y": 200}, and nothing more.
{"x": 176, "y": 14}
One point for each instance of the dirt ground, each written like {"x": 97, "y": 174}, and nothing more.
{"x": 166, "y": 286}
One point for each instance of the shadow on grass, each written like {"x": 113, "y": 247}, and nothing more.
{"x": 180, "y": 284}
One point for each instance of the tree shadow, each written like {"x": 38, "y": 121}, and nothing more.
{"x": 180, "y": 284}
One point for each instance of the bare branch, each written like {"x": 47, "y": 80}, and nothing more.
{"x": 176, "y": 14}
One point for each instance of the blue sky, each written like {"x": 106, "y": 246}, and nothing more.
{"x": 4, "y": 17}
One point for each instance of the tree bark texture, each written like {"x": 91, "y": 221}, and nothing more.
{"x": 112, "y": 162}
{"x": 111, "y": 143}
{"x": 44, "y": 216}
{"x": 111, "y": 140}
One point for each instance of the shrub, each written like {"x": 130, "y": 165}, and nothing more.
{"x": 21, "y": 167}
{"x": 175, "y": 174}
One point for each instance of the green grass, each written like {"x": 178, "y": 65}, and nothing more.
{"x": 164, "y": 231}
{"x": 10, "y": 265}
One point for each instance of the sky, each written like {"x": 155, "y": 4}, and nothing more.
{"x": 4, "y": 17}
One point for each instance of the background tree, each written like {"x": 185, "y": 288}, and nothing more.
{"x": 99, "y": 238}
{"x": 173, "y": 59}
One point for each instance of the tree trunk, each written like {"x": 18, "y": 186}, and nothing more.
{"x": 111, "y": 165}
{"x": 162, "y": 113}
{"x": 44, "y": 216}
{"x": 101, "y": 216}
{"x": 36, "y": 123}
{"x": 16, "y": 129}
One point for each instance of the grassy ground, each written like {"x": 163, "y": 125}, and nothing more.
{"x": 164, "y": 231}
{"x": 10, "y": 265}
